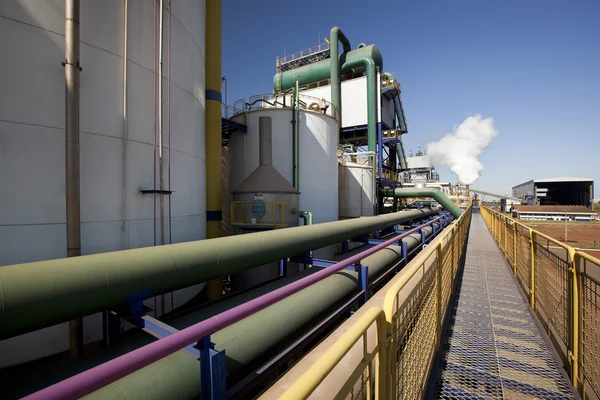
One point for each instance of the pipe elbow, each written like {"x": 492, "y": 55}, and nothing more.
{"x": 336, "y": 34}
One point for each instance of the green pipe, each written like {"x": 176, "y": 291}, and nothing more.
{"x": 335, "y": 71}
{"x": 436, "y": 194}
{"x": 306, "y": 216}
{"x": 247, "y": 343}
{"x": 322, "y": 70}
{"x": 250, "y": 342}
{"x": 369, "y": 65}
{"x": 39, "y": 294}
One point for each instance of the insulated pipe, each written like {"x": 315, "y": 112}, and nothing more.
{"x": 340, "y": 375}
{"x": 177, "y": 374}
{"x": 39, "y": 294}
{"x": 73, "y": 205}
{"x": 336, "y": 96}
{"x": 437, "y": 195}
{"x": 369, "y": 65}
{"x": 213, "y": 133}
{"x": 160, "y": 127}
{"x": 307, "y": 217}
{"x": 125, "y": 130}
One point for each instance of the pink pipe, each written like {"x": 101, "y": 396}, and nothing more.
{"x": 104, "y": 374}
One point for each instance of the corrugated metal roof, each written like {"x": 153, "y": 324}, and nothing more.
{"x": 563, "y": 179}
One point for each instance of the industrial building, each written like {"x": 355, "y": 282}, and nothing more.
{"x": 159, "y": 243}
{"x": 420, "y": 172}
{"x": 557, "y": 191}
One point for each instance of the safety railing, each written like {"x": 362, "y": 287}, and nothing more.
{"x": 563, "y": 288}
{"x": 248, "y": 213}
{"x": 386, "y": 174}
{"x": 228, "y": 111}
{"x": 414, "y": 308}
{"x": 279, "y": 61}
{"x": 284, "y": 100}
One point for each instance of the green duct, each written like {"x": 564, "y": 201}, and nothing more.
{"x": 322, "y": 70}
{"x": 418, "y": 192}
{"x": 369, "y": 65}
{"x": 336, "y": 96}
{"x": 254, "y": 338}
{"x": 39, "y": 294}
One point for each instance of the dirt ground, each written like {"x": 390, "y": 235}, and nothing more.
{"x": 584, "y": 235}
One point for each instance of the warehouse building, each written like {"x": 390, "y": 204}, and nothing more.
{"x": 558, "y": 191}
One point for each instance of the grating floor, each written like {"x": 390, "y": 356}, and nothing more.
{"x": 493, "y": 349}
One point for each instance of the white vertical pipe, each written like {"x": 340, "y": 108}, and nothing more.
{"x": 125, "y": 129}
{"x": 160, "y": 138}
{"x": 160, "y": 125}
{"x": 72, "y": 172}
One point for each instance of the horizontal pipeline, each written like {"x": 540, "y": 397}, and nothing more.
{"x": 40, "y": 294}
{"x": 104, "y": 374}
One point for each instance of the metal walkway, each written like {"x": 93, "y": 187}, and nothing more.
{"x": 493, "y": 348}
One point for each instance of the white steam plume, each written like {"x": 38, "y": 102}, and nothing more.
{"x": 460, "y": 149}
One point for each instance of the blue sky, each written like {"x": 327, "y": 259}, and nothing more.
{"x": 534, "y": 66}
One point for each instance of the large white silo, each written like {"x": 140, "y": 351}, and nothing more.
{"x": 117, "y": 137}
{"x": 318, "y": 174}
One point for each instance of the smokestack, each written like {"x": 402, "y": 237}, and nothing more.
{"x": 265, "y": 141}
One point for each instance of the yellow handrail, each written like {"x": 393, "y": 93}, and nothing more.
{"x": 424, "y": 314}
{"x": 576, "y": 328}
{"x": 386, "y": 368}
{"x": 309, "y": 381}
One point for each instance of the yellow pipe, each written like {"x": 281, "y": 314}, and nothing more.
{"x": 304, "y": 386}
{"x": 213, "y": 132}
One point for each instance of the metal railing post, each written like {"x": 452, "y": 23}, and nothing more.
{"x": 438, "y": 322}
{"x": 381, "y": 385}
{"x": 505, "y": 226}
{"x": 575, "y": 331}
{"x": 533, "y": 251}
{"x": 514, "y": 248}
{"x": 454, "y": 261}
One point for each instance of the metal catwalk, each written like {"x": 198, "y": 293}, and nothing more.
{"x": 493, "y": 348}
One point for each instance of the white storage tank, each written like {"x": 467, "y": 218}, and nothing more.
{"x": 318, "y": 175}
{"x": 32, "y": 138}
{"x": 357, "y": 186}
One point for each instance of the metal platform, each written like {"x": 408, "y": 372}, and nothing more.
{"x": 493, "y": 348}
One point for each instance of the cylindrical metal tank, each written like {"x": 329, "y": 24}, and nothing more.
{"x": 318, "y": 175}
{"x": 357, "y": 187}
{"x": 118, "y": 131}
